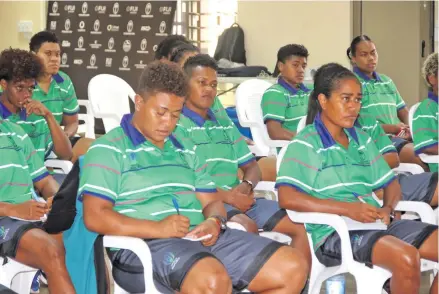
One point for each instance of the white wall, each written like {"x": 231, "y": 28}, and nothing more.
{"x": 268, "y": 25}
{"x": 13, "y": 11}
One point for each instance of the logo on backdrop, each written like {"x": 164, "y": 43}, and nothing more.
{"x": 70, "y": 8}
{"x": 140, "y": 65}
{"x": 110, "y": 45}
{"x": 162, "y": 29}
{"x": 125, "y": 63}
{"x": 100, "y": 9}
{"x": 115, "y": 10}
{"x": 112, "y": 28}
{"x": 64, "y": 60}
{"x": 148, "y": 9}
{"x": 126, "y": 46}
{"x": 96, "y": 27}
{"x": 108, "y": 62}
{"x": 53, "y": 25}
{"x": 130, "y": 27}
{"x": 80, "y": 44}
{"x": 78, "y": 61}
{"x": 54, "y": 9}
{"x": 84, "y": 9}
{"x": 132, "y": 9}
{"x": 95, "y": 45}
{"x": 166, "y": 10}
{"x": 145, "y": 28}
{"x": 65, "y": 43}
{"x": 81, "y": 26}
{"x": 143, "y": 45}
{"x": 154, "y": 48}
{"x": 92, "y": 62}
{"x": 67, "y": 27}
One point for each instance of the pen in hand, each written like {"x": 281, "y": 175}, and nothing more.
{"x": 177, "y": 208}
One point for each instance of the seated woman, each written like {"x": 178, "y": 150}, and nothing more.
{"x": 333, "y": 167}
{"x": 425, "y": 120}
{"x": 139, "y": 181}
{"x": 286, "y": 102}
{"x": 182, "y": 52}
{"x": 414, "y": 187}
{"x": 19, "y": 72}
{"x": 381, "y": 99}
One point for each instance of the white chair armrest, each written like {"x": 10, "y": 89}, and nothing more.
{"x": 335, "y": 221}
{"x": 429, "y": 158}
{"x": 409, "y": 167}
{"x": 64, "y": 165}
{"x": 277, "y": 143}
{"x": 424, "y": 210}
{"x": 249, "y": 124}
{"x": 265, "y": 186}
{"x": 141, "y": 249}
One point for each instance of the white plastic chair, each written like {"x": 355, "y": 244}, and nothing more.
{"x": 424, "y": 157}
{"x": 141, "y": 249}
{"x": 108, "y": 96}
{"x": 369, "y": 280}
{"x": 88, "y": 127}
{"x": 248, "y": 107}
{"x": 16, "y": 276}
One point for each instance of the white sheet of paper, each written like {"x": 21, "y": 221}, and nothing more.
{"x": 42, "y": 219}
{"x": 198, "y": 239}
{"x": 353, "y": 225}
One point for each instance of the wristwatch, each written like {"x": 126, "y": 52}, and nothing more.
{"x": 249, "y": 183}
{"x": 222, "y": 221}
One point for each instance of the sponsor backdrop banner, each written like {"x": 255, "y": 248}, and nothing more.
{"x": 117, "y": 38}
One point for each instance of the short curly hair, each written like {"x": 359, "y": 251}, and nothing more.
{"x": 430, "y": 67}
{"x": 18, "y": 65}
{"x": 203, "y": 60}
{"x": 163, "y": 77}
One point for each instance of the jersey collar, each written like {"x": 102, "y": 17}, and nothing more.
{"x": 137, "y": 137}
{"x": 5, "y": 113}
{"x": 196, "y": 118}
{"x": 290, "y": 89}
{"x": 432, "y": 96}
{"x": 365, "y": 77}
{"x": 326, "y": 137}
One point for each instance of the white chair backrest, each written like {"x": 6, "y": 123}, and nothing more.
{"x": 108, "y": 96}
{"x": 302, "y": 124}
{"x": 248, "y": 107}
{"x": 280, "y": 156}
{"x": 412, "y": 114}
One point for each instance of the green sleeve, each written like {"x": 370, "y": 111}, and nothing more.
{"x": 70, "y": 106}
{"x": 101, "y": 171}
{"x": 273, "y": 105}
{"x": 299, "y": 167}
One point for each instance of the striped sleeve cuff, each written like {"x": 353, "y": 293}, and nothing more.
{"x": 99, "y": 195}
{"x": 206, "y": 190}
{"x": 421, "y": 148}
{"x": 400, "y": 106}
{"x": 40, "y": 177}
